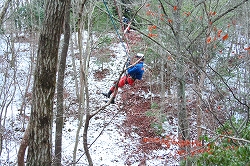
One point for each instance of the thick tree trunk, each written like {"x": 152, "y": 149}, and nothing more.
{"x": 181, "y": 87}
{"x": 182, "y": 116}
{"x": 40, "y": 138}
{"x": 60, "y": 85}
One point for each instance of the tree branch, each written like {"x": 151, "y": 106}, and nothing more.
{"x": 226, "y": 136}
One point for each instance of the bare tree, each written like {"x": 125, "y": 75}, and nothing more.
{"x": 7, "y": 91}
{"x": 60, "y": 86}
{"x": 40, "y": 125}
{"x": 81, "y": 96}
{"x": 84, "y": 74}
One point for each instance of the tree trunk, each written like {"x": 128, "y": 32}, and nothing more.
{"x": 3, "y": 12}
{"x": 60, "y": 85}
{"x": 81, "y": 94}
{"x": 23, "y": 147}
{"x": 199, "y": 89}
{"x": 40, "y": 138}
{"x": 181, "y": 85}
{"x": 86, "y": 90}
{"x": 182, "y": 116}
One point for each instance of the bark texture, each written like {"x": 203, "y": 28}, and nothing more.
{"x": 40, "y": 142}
{"x": 60, "y": 85}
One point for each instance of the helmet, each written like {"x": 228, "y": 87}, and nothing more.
{"x": 140, "y": 55}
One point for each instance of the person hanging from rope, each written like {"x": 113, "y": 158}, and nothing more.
{"x": 126, "y": 24}
{"x": 133, "y": 73}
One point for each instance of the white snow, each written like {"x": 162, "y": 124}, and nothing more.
{"x": 111, "y": 147}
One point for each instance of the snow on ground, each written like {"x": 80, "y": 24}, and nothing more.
{"x": 108, "y": 148}
{"x": 109, "y": 144}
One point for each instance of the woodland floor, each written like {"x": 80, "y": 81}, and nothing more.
{"x": 136, "y": 104}
{"x": 133, "y": 102}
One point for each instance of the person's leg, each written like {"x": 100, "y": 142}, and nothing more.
{"x": 121, "y": 83}
{"x": 130, "y": 81}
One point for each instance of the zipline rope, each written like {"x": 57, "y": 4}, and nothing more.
{"x": 116, "y": 29}
{"x": 122, "y": 27}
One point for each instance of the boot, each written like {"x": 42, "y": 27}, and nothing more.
{"x": 107, "y": 94}
{"x": 113, "y": 101}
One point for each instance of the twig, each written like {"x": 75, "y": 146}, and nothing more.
{"x": 226, "y": 136}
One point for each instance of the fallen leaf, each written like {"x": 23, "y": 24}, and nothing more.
{"x": 152, "y": 35}
{"x": 219, "y": 32}
{"x": 225, "y": 37}
{"x": 154, "y": 26}
{"x": 209, "y": 39}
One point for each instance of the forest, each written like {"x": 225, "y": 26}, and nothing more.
{"x": 191, "y": 107}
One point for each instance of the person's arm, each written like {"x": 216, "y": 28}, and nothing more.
{"x": 132, "y": 70}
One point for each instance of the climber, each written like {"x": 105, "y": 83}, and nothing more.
{"x": 133, "y": 73}
{"x": 126, "y": 26}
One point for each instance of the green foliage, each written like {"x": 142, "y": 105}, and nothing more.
{"x": 205, "y": 138}
{"x": 104, "y": 41}
{"x": 221, "y": 156}
{"x": 158, "y": 128}
{"x": 150, "y": 113}
{"x": 154, "y": 106}
{"x": 226, "y": 151}
{"x": 30, "y": 16}
{"x": 158, "y": 117}
{"x": 151, "y": 56}
{"x": 101, "y": 20}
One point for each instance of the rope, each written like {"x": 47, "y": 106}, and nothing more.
{"x": 116, "y": 29}
{"x": 122, "y": 27}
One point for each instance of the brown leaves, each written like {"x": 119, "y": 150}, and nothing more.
{"x": 151, "y": 28}
{"x": 212, "y": 13}
{"x": 219, "y": 34}
{"x": 152, "y": 35}
{"x": 209, "y": 39}
{"x": 225, "y": 37}
{"x": 196, "y": 145}
{"x": 150, "y": 13}
{"x": 247, "y": 49}
{"x": 187, "y": 13}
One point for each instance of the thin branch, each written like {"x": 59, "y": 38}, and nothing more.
{"x": 164, "y": 11}
{"x": 214, "y": 20}
{"x": 226, "y": 136}
{"x": 221, "y": 78}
